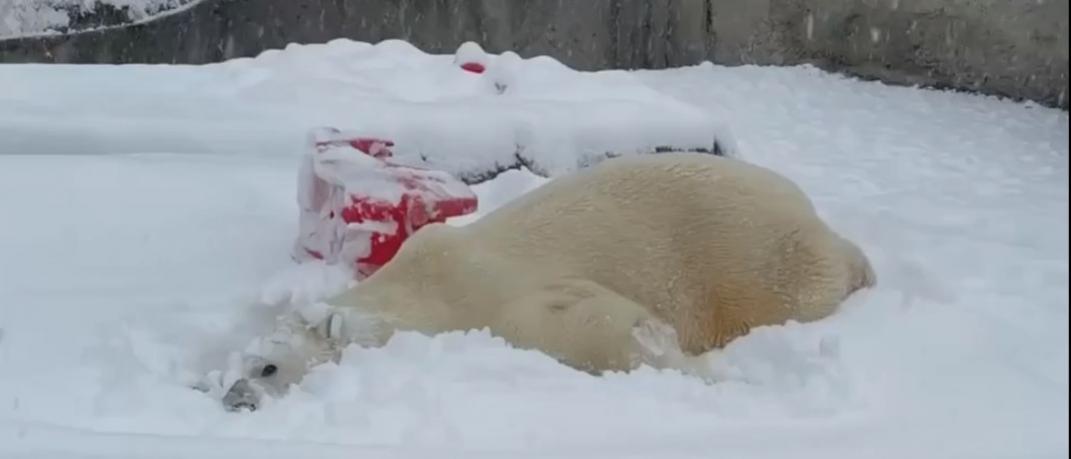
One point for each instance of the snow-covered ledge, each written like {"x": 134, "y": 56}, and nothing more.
{"x": 533, "y": 113}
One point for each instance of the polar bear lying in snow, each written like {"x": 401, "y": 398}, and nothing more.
{"x": 646, "y": 259}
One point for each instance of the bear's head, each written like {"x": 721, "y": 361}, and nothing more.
{"x": 272, "y": 364}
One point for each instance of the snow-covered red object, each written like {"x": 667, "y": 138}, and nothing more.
{"x": 358, "y": 207}
{"x": 471, "y": 58}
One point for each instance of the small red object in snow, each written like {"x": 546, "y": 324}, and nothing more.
{"x": 360, "y": 208}
{"x": 377, "y": 148}
{"x": 474, "y": 67}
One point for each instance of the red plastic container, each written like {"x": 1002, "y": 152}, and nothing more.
{"x": 358, "y": 207}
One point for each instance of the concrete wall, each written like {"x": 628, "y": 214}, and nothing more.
{"x": 1016, "y": 48}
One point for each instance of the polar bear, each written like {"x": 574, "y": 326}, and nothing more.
{"x": 638, "y": 260}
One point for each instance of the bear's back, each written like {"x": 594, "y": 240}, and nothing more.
{"x": 645, "y": 199}
{"x": 643, "y": 182}
{"x": 687, "y": 219}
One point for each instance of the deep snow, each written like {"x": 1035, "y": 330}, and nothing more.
{"x": 148, "y": 213}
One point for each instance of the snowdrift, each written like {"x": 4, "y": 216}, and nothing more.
{"x": 532, "y": 113}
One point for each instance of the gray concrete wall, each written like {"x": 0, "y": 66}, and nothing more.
{"x": 1014, "y": 48}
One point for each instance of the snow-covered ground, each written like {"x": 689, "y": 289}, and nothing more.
{"x": 147, "y": 213}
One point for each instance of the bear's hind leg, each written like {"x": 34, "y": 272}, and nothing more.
{"x": 589, "y": 327}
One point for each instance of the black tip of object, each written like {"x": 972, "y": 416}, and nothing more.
{"x": 243, "y": 405}
{"x": 718, "y": 149}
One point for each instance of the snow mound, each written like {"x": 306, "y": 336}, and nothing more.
{"x": 535, "y": 113}
{"x": 549, "y": 118}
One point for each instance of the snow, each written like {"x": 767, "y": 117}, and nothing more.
{"x": 148, "y": 214}
{"x": 551, "y": 117}
{"x": 20, "y": 18}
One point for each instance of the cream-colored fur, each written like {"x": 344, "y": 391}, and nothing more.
{"x": 594, "y": 266}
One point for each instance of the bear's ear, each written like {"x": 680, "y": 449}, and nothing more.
{"x": 330, "y": 328}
